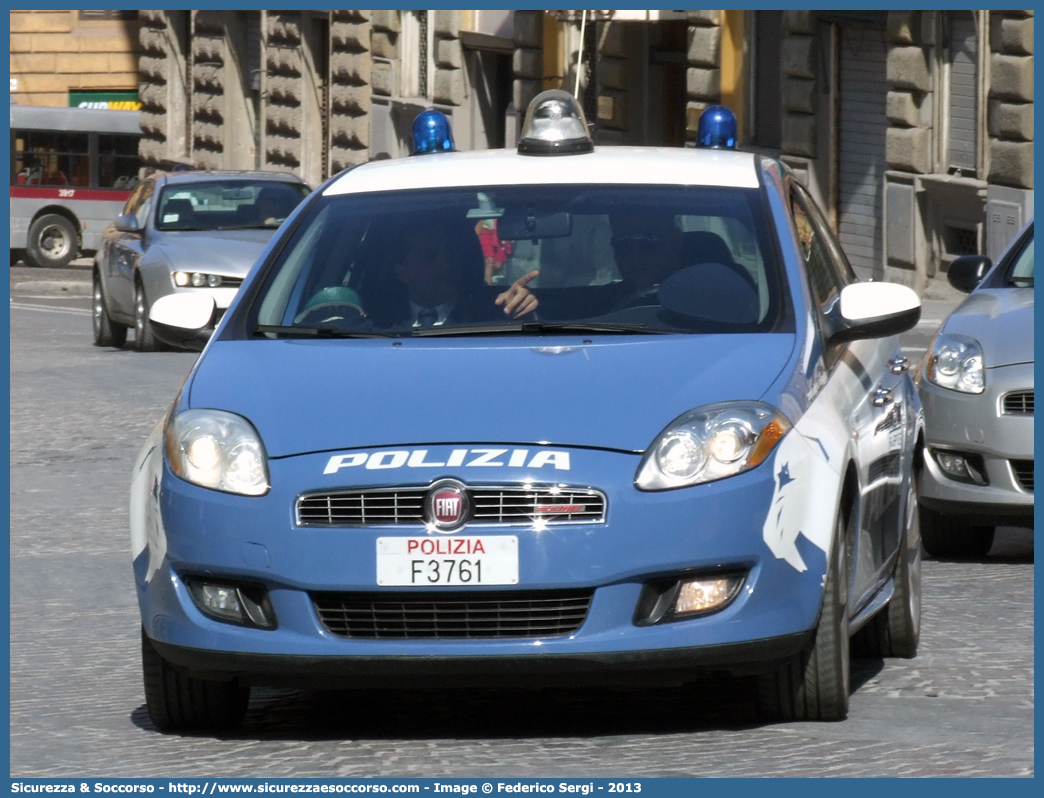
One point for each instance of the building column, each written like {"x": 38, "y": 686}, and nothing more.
{"x": 350, "y": 72}
{"x": 909, "y": 145}
{"x": 703, "y": 75}
{"x": 527, "y": 63}
{"x": 1009, "y": 202}
{"x": 164, "y": 89}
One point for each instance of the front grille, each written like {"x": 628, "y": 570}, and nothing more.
{"x": 362, "y": 508}
{"x": 453, "y": 615}
{"x": 887, "y": 467}
{"x": 552, "y": 504}
{"x": 1019, "y": 403}
{"x": 1023, "y": 470}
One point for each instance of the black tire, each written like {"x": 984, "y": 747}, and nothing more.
{"x": 896, "y": 630}
{"x": 53, "y": 242}
{"x": 951, "y": 538}
{"x": 814, "y": 685}
{"x": 145, "y": 339}
{"x": 177, "y": 702}
{"x": 106, "y": 331}
{"x": 16, "y": 255}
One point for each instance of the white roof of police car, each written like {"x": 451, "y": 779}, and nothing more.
{"x": 606, "y": 165}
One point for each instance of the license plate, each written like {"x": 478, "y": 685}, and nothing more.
{"x": 433, "y": 561}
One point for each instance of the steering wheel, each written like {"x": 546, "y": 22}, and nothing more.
{"x": 643, "y": 296}
{"x": 332, "y": 314}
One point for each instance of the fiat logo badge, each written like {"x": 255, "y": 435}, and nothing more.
{"x": 446, "y": 506}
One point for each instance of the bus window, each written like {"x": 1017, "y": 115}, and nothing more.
{"x": 56, "y": 152}
{"x": 117, "y": 161}
{"x": 52, "y": 158}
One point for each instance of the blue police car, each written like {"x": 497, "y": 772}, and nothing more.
{"x": 558, "y": 415}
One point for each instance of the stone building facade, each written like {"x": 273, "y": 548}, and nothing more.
{"x": 314, "y": 92}
{"x": 63, "y": 58}
{"x": 913, "y": 129}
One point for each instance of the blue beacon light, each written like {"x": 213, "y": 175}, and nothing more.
{"x": 432, "y": 133}
{"x": 717, "y": 128}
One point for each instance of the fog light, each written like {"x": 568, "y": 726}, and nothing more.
{"x": 706, "y": 593}
{"x": 181, "y": 279}
{"x": 953, "y": 464}
{"x": 246, "y": 605}
{"x": 961, "y": 466}
{"x": 199, "y": 280}
{"x": 221, "y": 600}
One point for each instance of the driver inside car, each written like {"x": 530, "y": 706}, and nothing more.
{"x": 428, "y": 276}
{"x": 433, "y": 266}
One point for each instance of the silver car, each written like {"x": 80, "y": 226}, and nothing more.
{"x": 976, "y": 385}
{"x": 184, "y": 232}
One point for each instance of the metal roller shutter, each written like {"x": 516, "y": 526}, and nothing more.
{"x": 861, "y": 148}
{"x": 962, "y": 91}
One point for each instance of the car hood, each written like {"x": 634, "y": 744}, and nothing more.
{"x": 319, "y": 395}
{"x": 1001, "y": 320}
{"x": 230, "y": 252}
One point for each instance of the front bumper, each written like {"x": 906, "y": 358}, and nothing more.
{"x": 642, "y": 668}
{"x": 646, "y": 537}
{"x": 976, "y": 424}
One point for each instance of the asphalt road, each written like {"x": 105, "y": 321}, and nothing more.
{"x": 963, "y": 707}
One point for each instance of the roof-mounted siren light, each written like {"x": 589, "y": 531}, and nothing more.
{"x": 554, "y": 125}
{"x": 432, "y": 133}
{"x": 717, "y": 128}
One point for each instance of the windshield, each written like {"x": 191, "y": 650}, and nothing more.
{"x": 1022, "y": 267}
{"x": 502, "y": 259}
{"x": 227, "y": 204}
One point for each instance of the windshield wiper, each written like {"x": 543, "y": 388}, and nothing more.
{"x": 539, "y": 328}
{"x": 1022, "y": 282}
{"x": 293, "y": 331}
{"x": 248, "y": 227}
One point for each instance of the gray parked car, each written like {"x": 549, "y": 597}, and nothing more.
{"x": 976, "y": 385}
{"x": 184, "y": 232}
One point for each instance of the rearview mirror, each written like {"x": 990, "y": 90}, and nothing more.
{"x": 518, "y": 225}
{"x": 127, "y": 223}
{"x": 184, "y": 320}
{"x": 967, "y": 271}
{"x": 872, "y": 310}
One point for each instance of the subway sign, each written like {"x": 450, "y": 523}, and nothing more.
{"x": 105, "y": 100}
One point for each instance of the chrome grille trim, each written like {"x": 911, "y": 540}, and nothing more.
{"x": 1023, "y": 471}
{"x": 474, "y": 615}
{"x": 492, "y": 505}
{"x": 1018, "y": 403}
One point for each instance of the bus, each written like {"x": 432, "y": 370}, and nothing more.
{"x": 72, "y": 170}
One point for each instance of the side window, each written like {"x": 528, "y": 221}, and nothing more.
{"x": 141, "y": 213}
{"x": 134, "y": 200}
{"x": 823, "y": 277}
{"x": 837, "y": 255}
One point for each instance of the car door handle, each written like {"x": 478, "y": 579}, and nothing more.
{"x": 882, "y": 396}
{"x": 897, "y": 365}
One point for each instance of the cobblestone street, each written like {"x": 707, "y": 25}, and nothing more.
{"x": 963, "y": 707}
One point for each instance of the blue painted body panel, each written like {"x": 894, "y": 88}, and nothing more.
{"x": 615, "y": 392}
{"x": 645, "y": 535}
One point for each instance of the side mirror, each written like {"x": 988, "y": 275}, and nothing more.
{"x": 872, "y": 310}
{"x": 967, "y": 271}
{"x": 185, "y": 321}
{"x": 127, "y": 223}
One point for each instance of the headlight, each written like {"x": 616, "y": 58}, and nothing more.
{"x": 710, "y": 443}
{"x": 199, "y": 280}
{"x": 217, "y": 450}
{"x": 955, "y": 362}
